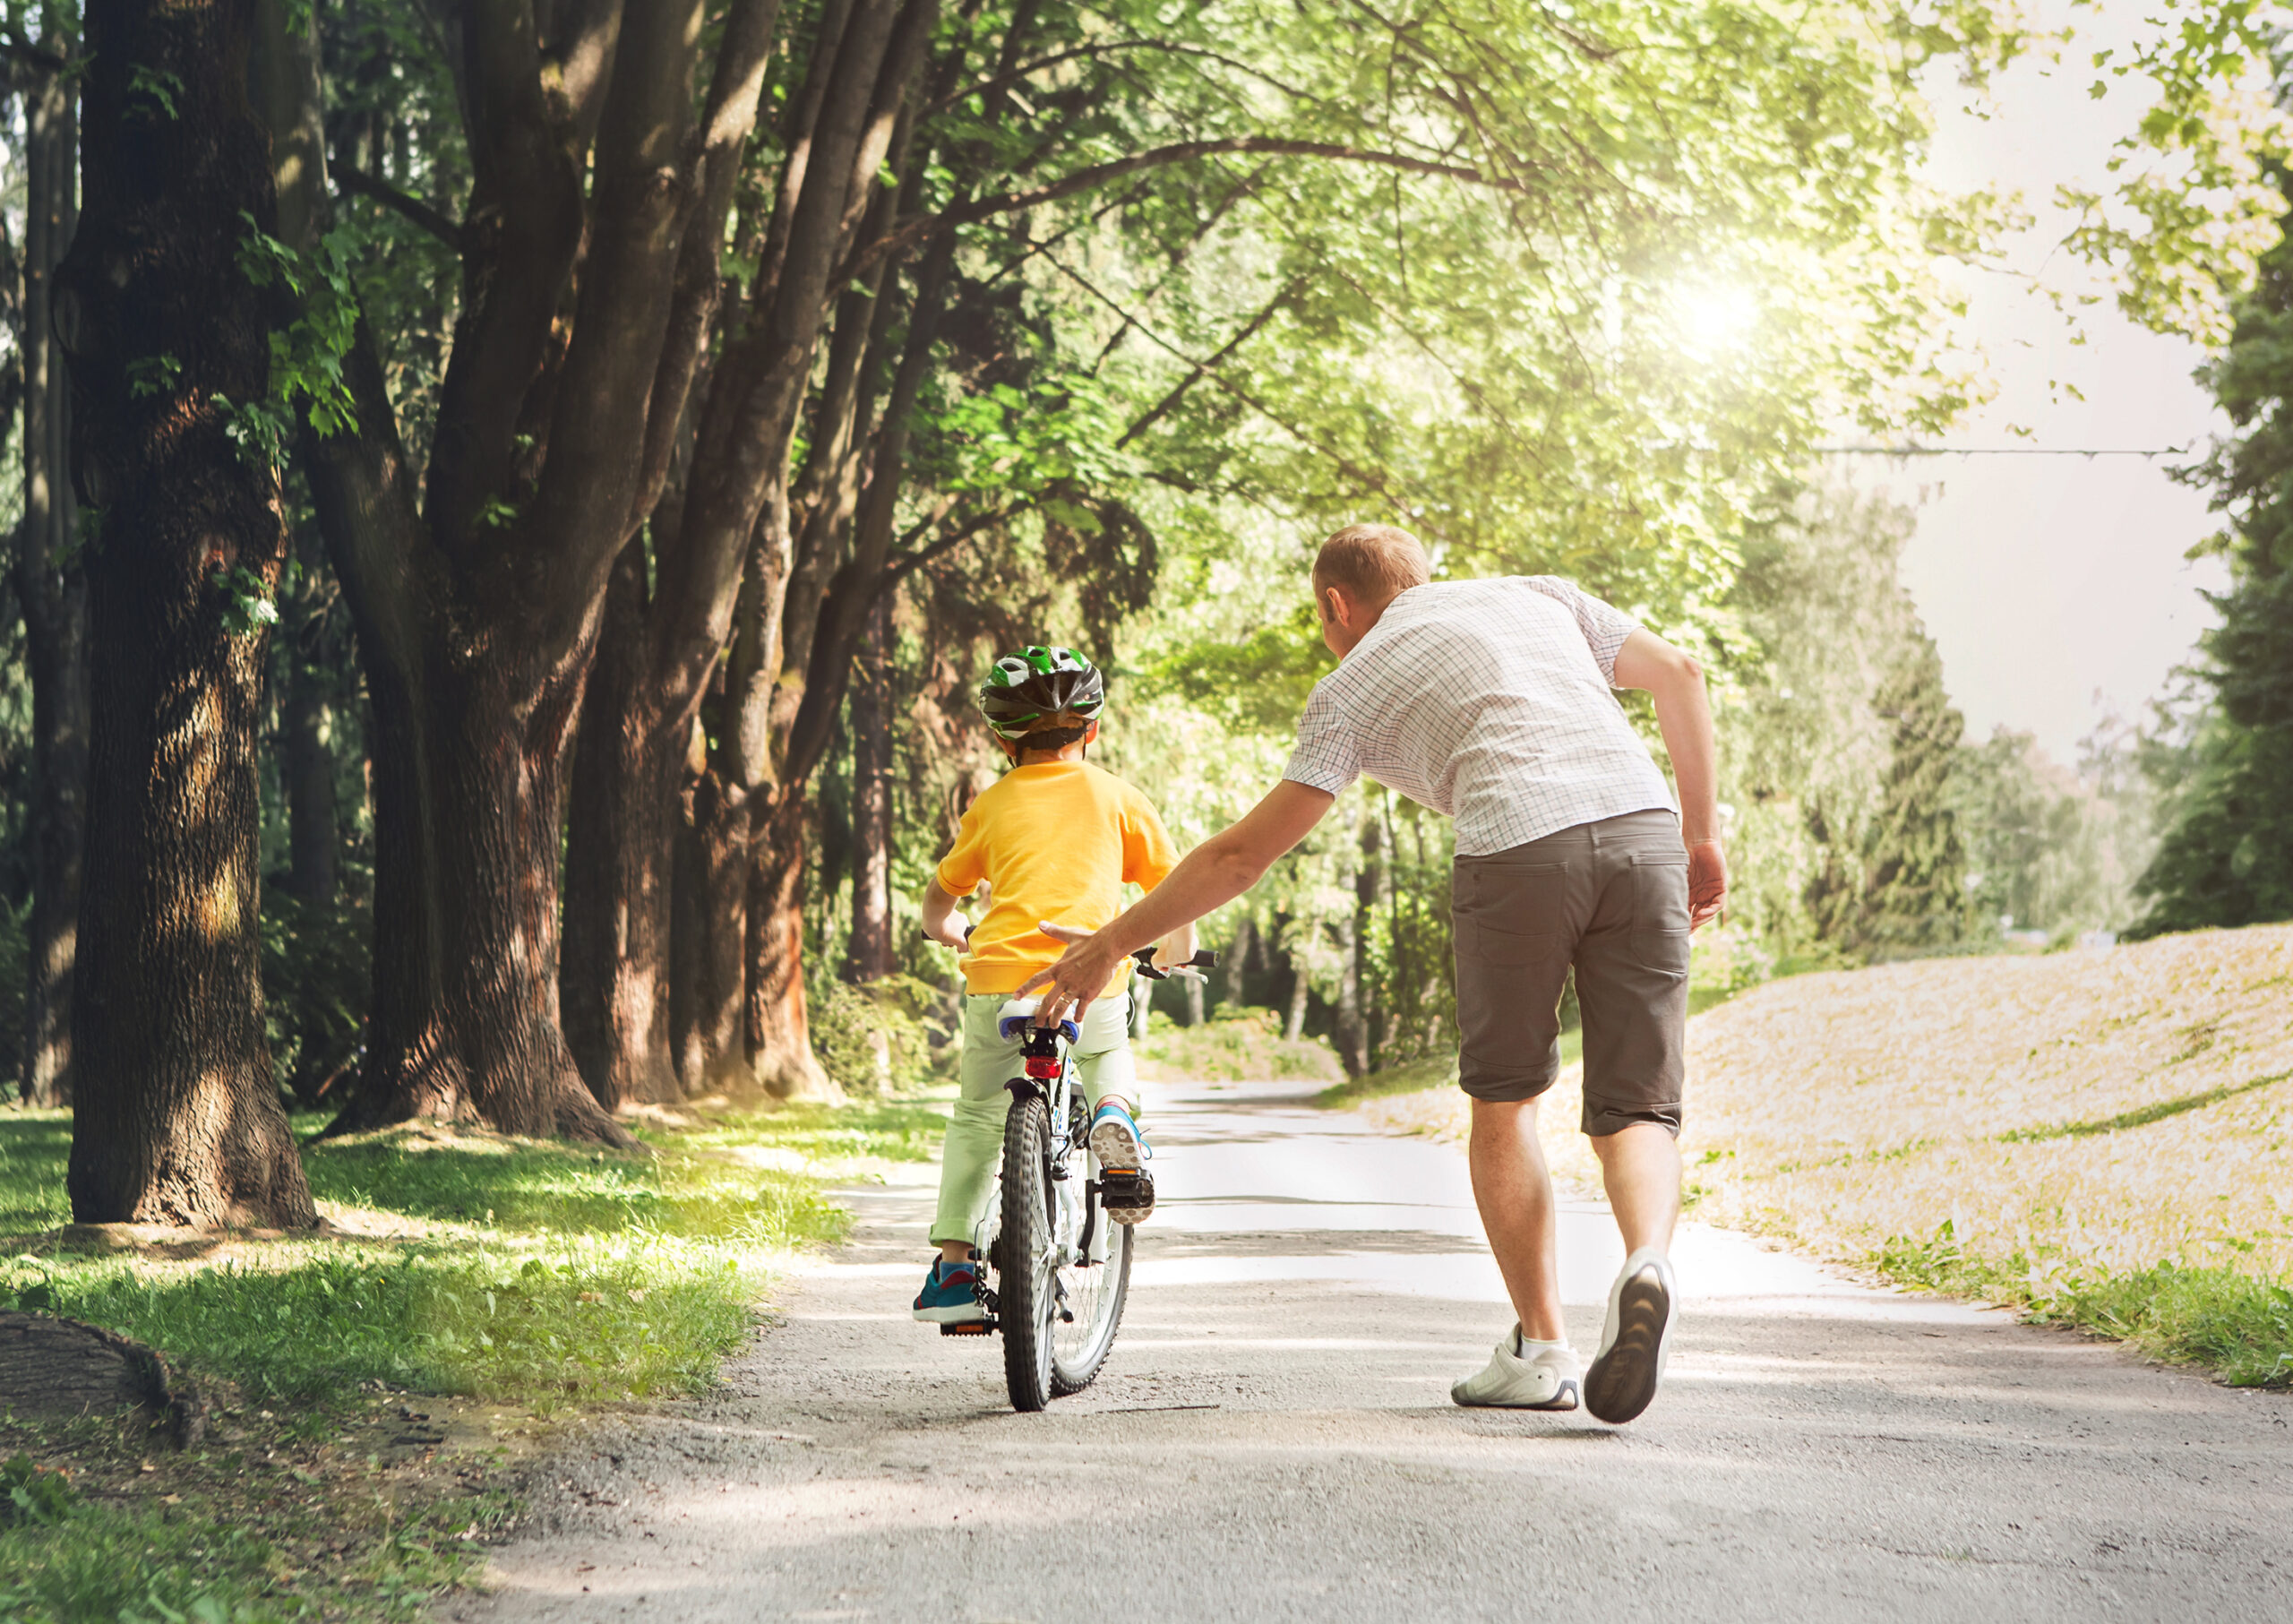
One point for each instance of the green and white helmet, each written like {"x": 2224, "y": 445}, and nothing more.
{"x": 1024, "y": 689}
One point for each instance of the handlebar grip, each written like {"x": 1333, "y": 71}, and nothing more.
{"x": 1203, "y": 960}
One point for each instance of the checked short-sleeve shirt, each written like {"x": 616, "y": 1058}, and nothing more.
{"x": 1490, "y": 701}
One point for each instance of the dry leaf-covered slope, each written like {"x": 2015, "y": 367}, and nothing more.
{"x": 2086, "y": 1110}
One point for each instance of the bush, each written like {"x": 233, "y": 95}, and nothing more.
{"x": 874, "y": 1039}
{"x": 317, "y": 973}
{"x": 1238, "y": 1046}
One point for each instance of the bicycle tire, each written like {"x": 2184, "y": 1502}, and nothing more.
{"x": 1024, "y": 1295}
{"x": 1073, "y": 1373}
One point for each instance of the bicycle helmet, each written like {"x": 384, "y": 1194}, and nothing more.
{"x": 1037, "y": 683}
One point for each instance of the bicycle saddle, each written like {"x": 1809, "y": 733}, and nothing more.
{"x": 1018, "y": 1014}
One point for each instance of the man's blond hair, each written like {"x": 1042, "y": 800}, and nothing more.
{"x": 1372, "y": 562}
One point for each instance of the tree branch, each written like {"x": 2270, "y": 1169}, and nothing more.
{"x": 435, "y": 223}
{"x": 1202, "y": 369}
{"x": 908, "y": 235}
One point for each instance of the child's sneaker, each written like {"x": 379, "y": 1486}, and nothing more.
{"x": 1126, "y": 1187}
{"x": 950, "y": 1295}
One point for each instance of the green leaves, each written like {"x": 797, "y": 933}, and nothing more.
{"x": 306, "y": 354}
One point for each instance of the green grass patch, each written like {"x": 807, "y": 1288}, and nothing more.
{"x": 509, "y": 1277}
{"x": 547, "y": 1273}
{"x": 1418, "y": 1076}
{"x": 2241, "y": 1327}
{"x": 2143, "y": 1115}
{"x": 208, "y": 1557}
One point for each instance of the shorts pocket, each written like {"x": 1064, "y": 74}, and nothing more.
{"x": 1484, "y": 943}
{"x": 1660, "y": 935}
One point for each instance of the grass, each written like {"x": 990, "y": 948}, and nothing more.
{"x": 494, "y": 1281}
{"x": 2103, "y": 1140}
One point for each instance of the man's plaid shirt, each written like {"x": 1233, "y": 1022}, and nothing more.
{"x": 1490, "y": 700}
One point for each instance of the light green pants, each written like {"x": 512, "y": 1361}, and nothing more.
{"x": 974, "y": 1141}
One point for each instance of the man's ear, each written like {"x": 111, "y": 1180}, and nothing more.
{"x": 1337, "y": 609}
{"x": 1092, "y": 737}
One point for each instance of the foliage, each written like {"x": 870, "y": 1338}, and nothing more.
{"x": 317, "y": 976}
{"x": 1240, "y": 1045}
{"x": 875, "y": 1039}
{"x": 2226, "y": 853}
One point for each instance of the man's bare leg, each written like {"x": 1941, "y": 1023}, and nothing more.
{"x": 1640, "y": 1168}
{"x": 1514, "y": 1192}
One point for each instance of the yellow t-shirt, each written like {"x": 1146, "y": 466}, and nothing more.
{"x": 1055, "y": 841}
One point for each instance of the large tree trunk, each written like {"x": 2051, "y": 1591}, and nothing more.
{"x": 467, "y": 823}
{"x": 175, "y": 1115}
{"x": 618, "y": 861}
{"x": 779, "y": 1033}
{"x": 712, "y": 936}
{"x": 871, "y": 955}
{"x": 53, "y": 592}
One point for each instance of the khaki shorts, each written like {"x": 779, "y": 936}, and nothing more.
{"x": 1610, "y": 898}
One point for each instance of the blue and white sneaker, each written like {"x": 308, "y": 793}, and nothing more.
{"x": 950, "y": 1295}
{"x": 1127, "y": 1186}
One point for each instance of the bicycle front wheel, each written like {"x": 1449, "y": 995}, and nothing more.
{"x": 1090, "y": 1293}
{"x": 1027, "y": 1297}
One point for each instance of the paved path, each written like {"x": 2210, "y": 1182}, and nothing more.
{"x": 1273, "y": 1440}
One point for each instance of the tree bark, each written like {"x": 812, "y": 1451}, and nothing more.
{"x": 175, "y": 1115}
{"x": 871, "y": 957}
{"x": 779, "y": 1032}
{"x": 618, "y": 865}
{"x": 52, "y": 590}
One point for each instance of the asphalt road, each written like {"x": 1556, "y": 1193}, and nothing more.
{"x": 1273, "y": 1440}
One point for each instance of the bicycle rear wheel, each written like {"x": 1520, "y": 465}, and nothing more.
{"x": 1027, "y": 1296}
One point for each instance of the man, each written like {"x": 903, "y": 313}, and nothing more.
{"x": 1490, "y": 701}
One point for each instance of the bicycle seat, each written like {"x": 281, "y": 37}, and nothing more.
{"x": 1018, "y": 1014}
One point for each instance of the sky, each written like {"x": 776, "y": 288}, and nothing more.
{"x": 2055, "y": 586}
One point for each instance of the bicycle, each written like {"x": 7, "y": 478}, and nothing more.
{"x": 1061, "y": 1269}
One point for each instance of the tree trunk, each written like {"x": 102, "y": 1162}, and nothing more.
{"x": 712, "y": 932}
{"x": 1295, "y": 1027}
{"x": 468, "y": 820}
{"x": 618, "y": 861}
{"x": 871, "y": 955}
{"x": 175, "y": 1115}
{"x": 306, "y": 763}
{"x": 1238, "y": 962}
{"x": 779, "y": 1036}
{"x": 53, "y": 592}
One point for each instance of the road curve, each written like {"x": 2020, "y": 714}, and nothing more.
{"x": 1273, "y": 1440}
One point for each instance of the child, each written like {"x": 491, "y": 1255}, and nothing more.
{"x": 1055, "y": 840}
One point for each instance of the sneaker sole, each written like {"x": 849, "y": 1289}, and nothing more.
{"x": 961, "y": 1313}
{"x": 1622, "y": 1382}
{"x": 1118, "y": 1152}
{"x": 1564, "y": 1397}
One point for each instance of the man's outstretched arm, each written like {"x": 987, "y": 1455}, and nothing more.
{"x": 1675, "y": 681}
{"x": 1213, "y": 874}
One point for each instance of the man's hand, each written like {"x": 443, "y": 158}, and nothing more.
{"x": 1080, "y": 976}
{"x": 1708, "y": 883}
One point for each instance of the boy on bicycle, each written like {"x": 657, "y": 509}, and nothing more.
{"x": 1056, "y": 839}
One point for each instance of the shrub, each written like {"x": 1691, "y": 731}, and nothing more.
{"x": 317, "y": 970}
{"x": 874, "y": 1039}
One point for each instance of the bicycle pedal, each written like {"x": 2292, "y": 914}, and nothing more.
{"x": 1126, "y": 1189}
{"x": 969, "y": 1327}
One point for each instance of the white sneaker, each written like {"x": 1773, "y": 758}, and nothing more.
{"x": 1636, "y": 1339}
{"x": 1544, "y": 1380}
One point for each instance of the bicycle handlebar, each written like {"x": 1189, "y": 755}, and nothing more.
{"x": 1203, "y": 960}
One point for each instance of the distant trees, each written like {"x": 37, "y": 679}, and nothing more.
{"x": 2226, "y": 855}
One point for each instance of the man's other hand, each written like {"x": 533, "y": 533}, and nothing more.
{"x": 1708, "y": 883}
